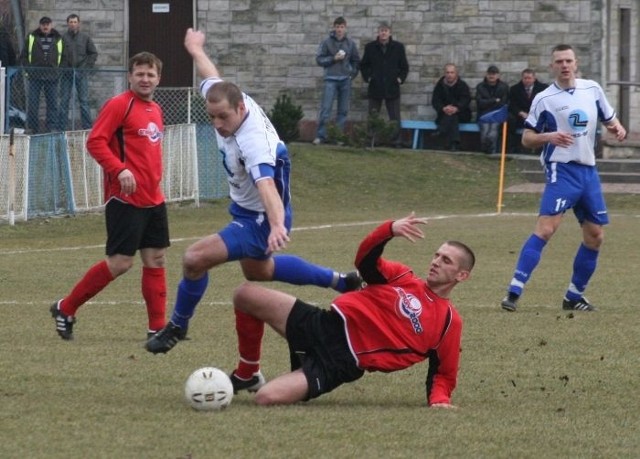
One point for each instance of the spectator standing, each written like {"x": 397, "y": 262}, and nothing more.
{"x": 563, "y": 120}
{"x": 43, "y": 53}
{"x": 491, "y": 94}
{"x": 127, "y": 143}
{"x": 7, "y": 51}
{"x": 451, "y": 100}
{"x": 384, "y": 67}
{"x": 521, "y": 95}
{"x": 339, "y": 57}
{"x": 81, "y": 55}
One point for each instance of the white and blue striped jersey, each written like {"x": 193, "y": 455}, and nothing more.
{"x": 577, "y": 111}
{"x": 252, "y": 153}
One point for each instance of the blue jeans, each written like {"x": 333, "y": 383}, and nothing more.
{"x": 50, "y": 88}
{"x": 340, "y": 89}
{"x": 79, "y": 79}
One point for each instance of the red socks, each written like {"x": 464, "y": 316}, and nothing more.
{"x": 250, "y": 331}
{"x": 154, "y": 291}
{"x": 94, "y": 280}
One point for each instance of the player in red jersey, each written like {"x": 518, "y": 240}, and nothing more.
{"x": 396, "y": 321}
{"x": 126, "y": 140}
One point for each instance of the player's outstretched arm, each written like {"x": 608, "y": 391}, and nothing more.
{"x": 194, "y": 43}
{"x": 407, "y": 227}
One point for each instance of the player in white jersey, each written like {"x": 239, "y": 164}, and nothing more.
{"x": 563, "y": 121}
{"x": 257, "y": 165}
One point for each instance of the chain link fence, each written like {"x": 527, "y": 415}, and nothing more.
{"x": 54, "y": 174}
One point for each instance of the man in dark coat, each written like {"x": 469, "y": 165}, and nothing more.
{"x": 384, "y": 66}
{"x": 451, "y": 100}
{"x": 43, "y": 53}
{"x": 520, "y": 96}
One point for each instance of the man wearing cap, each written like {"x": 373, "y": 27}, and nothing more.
{"x": 384, "y": 66}
{"x": 491, "y": 94}
{"x": 43, "y": 53}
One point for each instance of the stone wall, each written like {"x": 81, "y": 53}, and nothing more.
{"x": 268, "y": 46}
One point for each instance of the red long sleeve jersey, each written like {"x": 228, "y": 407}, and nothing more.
{"x": 397, "y": 321}
{"x": 127, "y": 134}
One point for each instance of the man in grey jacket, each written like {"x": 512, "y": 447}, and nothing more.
{"x": 339, "y": 56}
{"x": 81, "y": 55}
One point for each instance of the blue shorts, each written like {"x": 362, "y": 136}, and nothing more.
{"x": 246, "y": 236}
{"x": 574, "y": 186}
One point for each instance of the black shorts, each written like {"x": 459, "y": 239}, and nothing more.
{"x": 131, "y": 228}
{"x": 318, "y": 345}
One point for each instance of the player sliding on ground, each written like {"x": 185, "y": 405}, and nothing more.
{"x": 258, "y": 167}
{"x": 397, "y": 320}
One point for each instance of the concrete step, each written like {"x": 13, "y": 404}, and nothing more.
{"x": 611, "y": 170}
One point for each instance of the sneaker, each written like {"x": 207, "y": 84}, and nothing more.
{"x": 64, "y": 323}
{"x": 317, "y": 141}
{"x": 165, "y": 339}
{"x": 182, "y": 334}
{"x": 510, "y": 302}
{"x": 250, "y": 385}
{"x": 578, "y": 305}
{"x": 353, "y": 281}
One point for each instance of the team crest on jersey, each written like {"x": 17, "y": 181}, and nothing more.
{"x": 151, "y": 132}
{"x": 578, "y": 120}
{"x": 409, "y": 306}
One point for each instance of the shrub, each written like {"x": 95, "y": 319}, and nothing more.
{"x": 285, "y": 116}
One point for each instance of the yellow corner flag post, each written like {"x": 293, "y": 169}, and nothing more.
{"x": 502, "y": 161}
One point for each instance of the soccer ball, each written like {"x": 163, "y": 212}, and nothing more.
{"x": 208, "y": 389}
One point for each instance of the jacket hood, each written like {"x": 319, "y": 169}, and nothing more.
{"x": 54, "y": 33}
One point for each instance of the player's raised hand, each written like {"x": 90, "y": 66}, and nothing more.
{"x": 407, "y": 227}
{"x": 194, "y": 40}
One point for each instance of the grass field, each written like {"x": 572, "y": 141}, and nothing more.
{"x": 537, "y": 383}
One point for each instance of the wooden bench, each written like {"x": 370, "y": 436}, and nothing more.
{"x": 419, "y": 126}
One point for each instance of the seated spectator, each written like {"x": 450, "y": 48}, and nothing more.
{"x": 520, "y": 96}
{"x": 451, "y": 100}
{"x": 491, "y": 94}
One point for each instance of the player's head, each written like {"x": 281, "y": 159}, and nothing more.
{"x": 226, "y": 108}
{"x": 144, "y": 74}
{"x": 452, "y": 263}
{"x": 564, "y": 64}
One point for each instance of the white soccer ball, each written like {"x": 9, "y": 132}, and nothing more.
{"x": 208, "y": 389}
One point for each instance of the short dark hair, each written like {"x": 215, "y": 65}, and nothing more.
{"x": 225, "y": 90}
{"x": 339, "y": 20}
{"x": 73, "y": 16}
{"x": 145, "y": 58}
{"x": 469, "y": 260}
{"x": 562, "y": 47}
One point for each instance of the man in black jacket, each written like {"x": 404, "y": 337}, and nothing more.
{"x": 43, "y": 53}
{"x": 384, "y": 66}
{"x": 491, "y": 94}
{"x": 451, "y": 100}
{"x": 521, "y": 95}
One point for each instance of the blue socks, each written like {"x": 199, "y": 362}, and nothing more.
{"x": 189, "y": 294}
{"x": 527, "y": 262}
{"x": 297, "y": 271}
{"x": 584, "y": 265}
